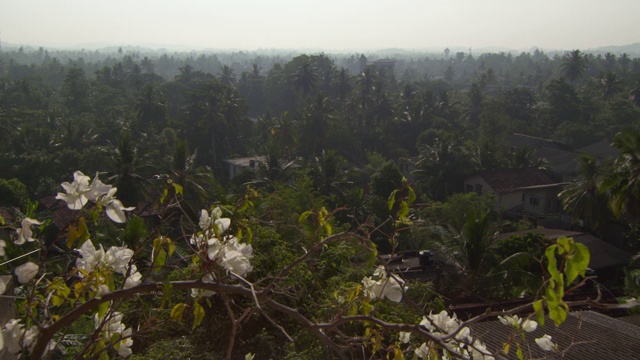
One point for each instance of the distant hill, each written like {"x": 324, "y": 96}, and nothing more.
{"x": 631, "y": 49}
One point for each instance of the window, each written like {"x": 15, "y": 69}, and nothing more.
{"x": 479, "y": 189}
{"x": 468, "y": 188}
{"x": 534, "y": 201}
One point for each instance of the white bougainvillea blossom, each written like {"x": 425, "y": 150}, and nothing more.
{"x": 515, "y": 321}
{"x": 24, "y": 232}
{"x": 111, "y": 326}
{"x": 26, "y": 272}
{"x": 14, "y": 337}
{"x": 545, "y": 343}
{"x": 463, "y": 345}
{"x": 224, "y": 249}
{"x": 383, "y": 286}
{"x": 116, "y": 258}
{"x": 83, "y": 190}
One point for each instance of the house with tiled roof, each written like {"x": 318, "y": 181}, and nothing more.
{"x": 507, "y": 185}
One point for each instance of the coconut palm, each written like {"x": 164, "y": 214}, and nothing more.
{"x": 305, "y": 78}
{"x": 624, "y": 181}
{"x": 610, "y": 86}
{"x": 583, "y": 198}
{"x": 573, "y": 65}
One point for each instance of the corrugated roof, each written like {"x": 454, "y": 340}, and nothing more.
{"x": 584, "y": 335}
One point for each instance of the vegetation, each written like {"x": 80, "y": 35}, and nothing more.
{"x": 282, "y": 260}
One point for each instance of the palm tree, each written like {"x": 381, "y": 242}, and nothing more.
{"x": 226, "y": 76}
{"x": 194, "y": 181}
{"x": 150, "y": 111}
{"x": 442, "y": 166}
{"x": 623, "y": 183}
{"x": 573, "y": 65}
{"x": 610, "y": 86}
{"x": 305, "y": 78}
{"x": 342, "y": 84}
{"x": 583, "y": 198}
{"x": 635, "y": 94}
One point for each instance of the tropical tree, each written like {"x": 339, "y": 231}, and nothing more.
{"x": 574, "y": 64}
{"x": 305, "y": 78}
{"x": 623, "y": 183}
{"x": 635, "y": 94}
{"x": 226, "y": 76}
{"x": 583, "y": 198}
{"x": 610, "y": 86}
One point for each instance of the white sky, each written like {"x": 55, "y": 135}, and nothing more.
{"x": 325, "y": 24}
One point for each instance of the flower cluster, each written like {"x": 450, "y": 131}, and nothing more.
{"x": 385, "y": 286}
{"x": 117, "y": 259}
{"x": 527, "y": 325}
{"x": 83, "y": 190}
{"x": 524, "y": 324}
{"x": 462, "y": 344}
{"x": 14, "y": 337}
{"x": 112, "y": 326}
{"x": 226, "y": 250}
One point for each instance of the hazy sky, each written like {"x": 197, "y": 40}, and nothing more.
{"x": 325, "y": 24}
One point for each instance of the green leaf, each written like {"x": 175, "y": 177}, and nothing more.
{"x": 178, "y": 311}
{"x": 102, "y": 309}
{"x": 519, "y": 353}
{"x": 552, "y": 265}
{"x": 304, "y": 216}
{"x": 412, "y": 195}
{"x": 392, "y": 199}
{"x": 577, "y": 263}
{"x": 159, "y": 259}
{"x": 166, "y": 293}
{"x": 178, "y": 188}
{"x": 505, "y": 348}
{"x": 165, "y": 193}
{"x": 366, "y": 308}
{"x": 539, "y": 311}
{"x": 198, "y": 314}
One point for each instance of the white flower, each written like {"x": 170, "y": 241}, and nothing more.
{"x": 115, "y": 209}
{"x": 510, "y": 320}
{"x": 134, "y": 278}
{"x": 24, "y": 233}
{"x": 2, "y": 246}
{"x": 26, "y": 272}
{"x": 545, "y": 343}
{"x": 205, "y": 220}
{"x": 422, "y": 351}
{"x": 97, "y": 189}
{"x": 3, "y": 288}
{"x": 479, "y": 351}
{"x": 75, "y": 192}
{"x": 118, "y": 257}
{"x": 529, "y": 325}
{"x": 440, "y": 322}
{"x": 90, "y": 257}
{"x": 405, "y": 336}
{"x": 125, "y": 343}
{"x": 15, "y": 337}
{"x": 389, "y": 287}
